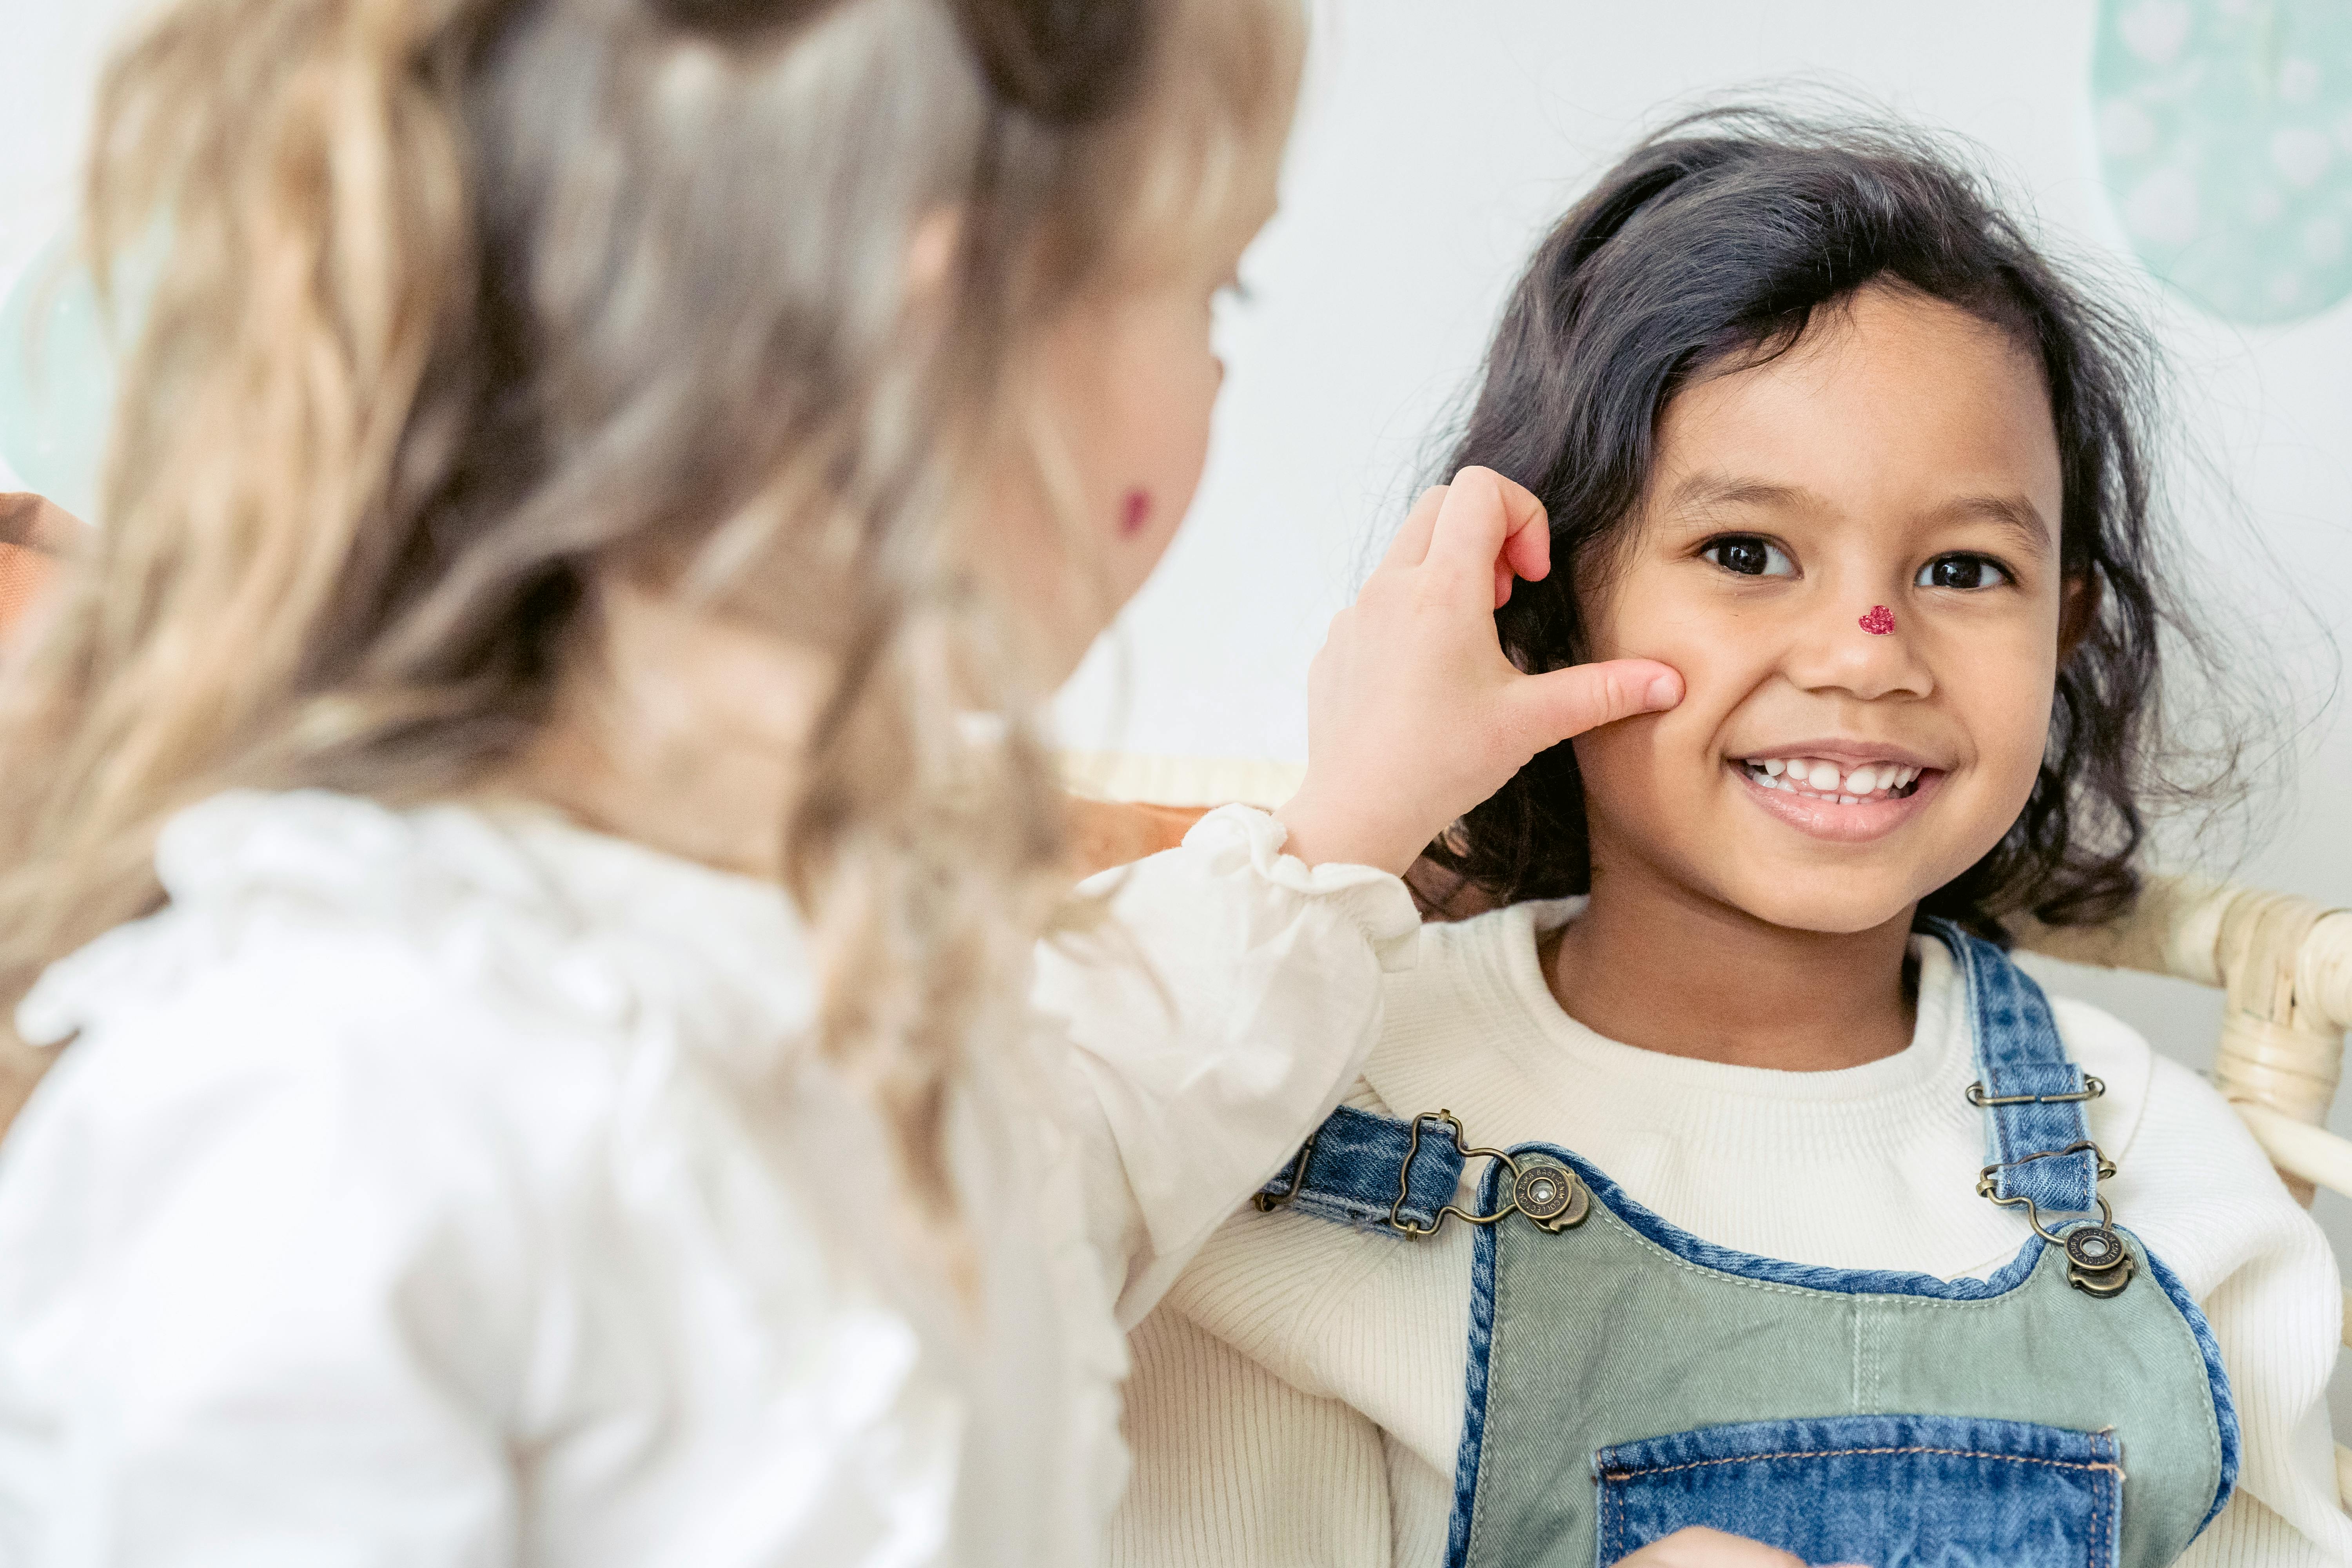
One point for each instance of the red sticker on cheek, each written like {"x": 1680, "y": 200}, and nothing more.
{"x": 1137, "y": 512}
{"x": 1879, "y": 622}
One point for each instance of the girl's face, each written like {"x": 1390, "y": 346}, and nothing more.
{"x": 1131, "y": 378}
{"x": 1851, "y": 552}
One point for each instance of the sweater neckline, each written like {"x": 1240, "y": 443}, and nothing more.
{"x": 1519, "y": 1069}
{"x": 1939, "y": 1028}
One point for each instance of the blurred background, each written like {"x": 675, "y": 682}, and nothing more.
{"x": 2197, "y": 153}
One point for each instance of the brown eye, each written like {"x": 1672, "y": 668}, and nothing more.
{"x": 1961, "y": 571}
{"x": 1744, "y": 555}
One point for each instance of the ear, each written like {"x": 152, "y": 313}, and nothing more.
{"x": 2079, "y": 598}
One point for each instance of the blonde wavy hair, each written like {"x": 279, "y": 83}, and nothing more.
{"x": 466, "y": 301}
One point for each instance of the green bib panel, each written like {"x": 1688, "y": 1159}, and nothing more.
{"x": 1598, "y": 1336}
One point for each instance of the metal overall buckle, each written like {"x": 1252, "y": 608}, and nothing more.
{"x": 2092, "y": 1089}
{"x": 2097, "y": 1262}
{"x": 1549, "y": 1194}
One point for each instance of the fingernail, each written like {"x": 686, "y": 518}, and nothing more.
{"x": 1665, "y": 691}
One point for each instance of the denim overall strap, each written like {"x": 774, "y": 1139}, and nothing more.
{"x": 2032, "y": 1094}
{"x": 1353, "y": 1170}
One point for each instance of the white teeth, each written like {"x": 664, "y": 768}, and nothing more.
{"x": 1820, "y": 777}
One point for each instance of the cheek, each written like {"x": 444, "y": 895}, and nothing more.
{"x": 1648, "y": 612}
{"x": 1180, "y": 420}
{"x": 1620, "y": 771}
{"x": 1161, "y": 445}
{"x": 1134, "y": 391}
{"x": 1157, "y": 433}
{"x": 1148, "y": 519}
{"x": 1648, "y": 768}
{"x": 1658, "y": 769}
{"x": 1717, "y": 651}
{"x": 1135, "y": 512}
{"x": 2002, "y": 688}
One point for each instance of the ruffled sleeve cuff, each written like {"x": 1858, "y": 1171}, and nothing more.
{"x": 1234, "y": 838}
{"x": 1231, "y": 1005}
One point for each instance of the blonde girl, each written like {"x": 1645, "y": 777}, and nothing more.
{"x": 524, "y": 834}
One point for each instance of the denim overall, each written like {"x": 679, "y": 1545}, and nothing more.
{"x": 1627, "y": 1378}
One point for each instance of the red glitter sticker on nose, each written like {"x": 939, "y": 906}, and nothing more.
{"x": 1879, "y": 622}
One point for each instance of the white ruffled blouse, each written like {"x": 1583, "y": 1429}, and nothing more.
{"x": 449, "y": 1186}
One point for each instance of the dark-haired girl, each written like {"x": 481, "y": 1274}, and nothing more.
{"x": 1813, "y": 1220}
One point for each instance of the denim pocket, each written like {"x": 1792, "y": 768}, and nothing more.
{"x": 1892, "y": 1491}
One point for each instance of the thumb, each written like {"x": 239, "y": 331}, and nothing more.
{"x": 1561, "y": 703}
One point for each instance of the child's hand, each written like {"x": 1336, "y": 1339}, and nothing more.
{"x": 1701, "y": 1548}
{"x": 1413, "y": 714}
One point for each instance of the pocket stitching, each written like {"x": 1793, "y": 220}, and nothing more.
{"x": 2102, "y": 1555}
{"x": 1835, "y": 1453}
{"x": 1617, "y": 1520}
{"x": 2098, "y": 1533}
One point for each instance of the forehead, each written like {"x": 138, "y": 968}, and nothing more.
{"x": 1892, "y": 407}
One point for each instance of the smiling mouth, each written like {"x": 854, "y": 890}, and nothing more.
{"x": 1829, "y": 783}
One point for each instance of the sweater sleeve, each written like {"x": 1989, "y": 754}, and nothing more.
{"x": 2263, "y": 1272}
{"x": 1207, "y": 1026}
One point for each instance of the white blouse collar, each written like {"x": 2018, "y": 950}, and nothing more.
{"x": 593, "y": 922}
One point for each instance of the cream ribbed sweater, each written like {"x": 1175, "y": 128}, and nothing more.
{"x": 1298, "y": 1396}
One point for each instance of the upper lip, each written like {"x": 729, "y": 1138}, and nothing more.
{"x": 1853, "y": 753}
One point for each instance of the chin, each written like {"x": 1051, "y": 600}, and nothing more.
{"x": 1832, "y": 914}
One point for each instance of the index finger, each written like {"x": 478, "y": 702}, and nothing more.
{"x": 1486, "y": 518}
{"x": 1411, "y": 540}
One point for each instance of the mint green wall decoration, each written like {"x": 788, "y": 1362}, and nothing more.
{"x": 57, "y": 379}
{"x": 2225, "y": 135}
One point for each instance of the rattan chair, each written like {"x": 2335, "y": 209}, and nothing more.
{"x": 2283, "y": 963}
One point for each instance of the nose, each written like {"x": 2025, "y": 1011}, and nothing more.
{"x": 1863, "y": 651}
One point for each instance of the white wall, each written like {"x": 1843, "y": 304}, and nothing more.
{"x": 1437, "y": 141}
{"x": 49, "y": 56}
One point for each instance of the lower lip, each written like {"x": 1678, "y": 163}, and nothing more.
{"x": 1858, "y": 824}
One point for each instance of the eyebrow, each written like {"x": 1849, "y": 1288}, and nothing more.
{"x": 2013, "y": 514}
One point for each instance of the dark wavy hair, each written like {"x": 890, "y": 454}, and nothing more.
{"x": 1713, "y": 244}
